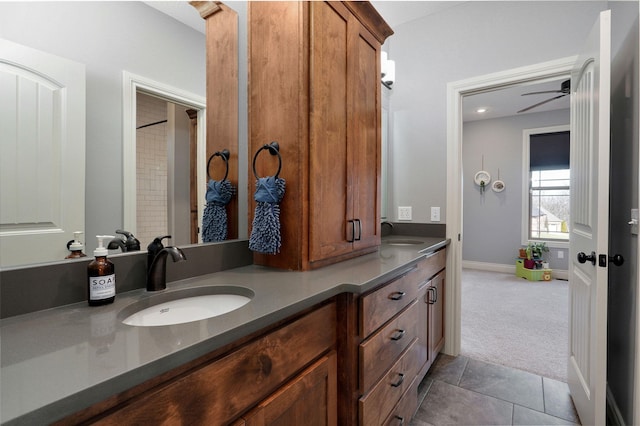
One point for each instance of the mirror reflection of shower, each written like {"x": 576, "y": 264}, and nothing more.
{"x": 165, "y": 171}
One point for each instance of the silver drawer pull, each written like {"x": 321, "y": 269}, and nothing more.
{"x": 399, "y": 382}
{"x": 399, "y": 418}
{"x": 397, "y": 295}
{"x": 399, "y": 335}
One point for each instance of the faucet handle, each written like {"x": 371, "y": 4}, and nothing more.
{"x": 156, "y": 245}
{"x": 153, "y": 249}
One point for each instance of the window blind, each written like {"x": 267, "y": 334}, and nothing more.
{"x": 549, "y": 151}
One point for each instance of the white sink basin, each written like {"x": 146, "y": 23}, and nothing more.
{"x": 187, "y": 305}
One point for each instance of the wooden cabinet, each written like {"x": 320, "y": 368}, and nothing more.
{"x": 388, "y": 354}
{"x": 286, "y": 373}
{"x": 431, "y": 296}
{"x": 435, "y": 300}
{"x": 314, "y": 87}
{"x": 310, "y": 399}
{"x": 402, "y": 329}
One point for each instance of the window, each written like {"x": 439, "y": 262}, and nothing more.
{"x": 546, "y": 193}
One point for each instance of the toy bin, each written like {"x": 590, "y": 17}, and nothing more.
{"x": 532, "y": 274}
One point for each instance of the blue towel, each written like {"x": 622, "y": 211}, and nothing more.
{"x": 214, "y": 219}
{"x": 265, "y": 230}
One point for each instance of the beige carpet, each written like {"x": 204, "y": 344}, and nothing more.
{"x": 510, "y": 321}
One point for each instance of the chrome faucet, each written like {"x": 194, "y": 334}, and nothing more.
{"x": 157, "y": 275}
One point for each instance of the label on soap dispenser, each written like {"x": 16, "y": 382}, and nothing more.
{"x": 102, "y": 287}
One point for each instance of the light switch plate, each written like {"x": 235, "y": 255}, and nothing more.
{"x": 435, "y": 214}
{"x": 404, "y": 213}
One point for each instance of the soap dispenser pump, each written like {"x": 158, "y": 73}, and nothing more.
{"x": 153, "y": 249}
{"x": 101, "y": 276}
{"x": 75, "y": 246}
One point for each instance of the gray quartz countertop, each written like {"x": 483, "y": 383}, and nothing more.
{"x": 59, "y": 361}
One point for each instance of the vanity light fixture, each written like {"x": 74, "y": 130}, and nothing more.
{"x": 387, "y": 70}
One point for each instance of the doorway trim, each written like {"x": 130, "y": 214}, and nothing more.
{"x": 131, "y": 84}
{"x": 539, "y": 73}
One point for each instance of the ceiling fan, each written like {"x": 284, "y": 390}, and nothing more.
{"x": 565, "y": 89}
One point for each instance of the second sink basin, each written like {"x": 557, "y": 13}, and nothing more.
{"x": 403, "y": 242}
{"x": 186, "y": 305}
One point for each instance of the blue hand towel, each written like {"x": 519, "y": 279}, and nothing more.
{"x": 214, "y": 219}
{"x": 265, "y": 231}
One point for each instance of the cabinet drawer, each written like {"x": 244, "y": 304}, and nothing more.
{"x": 406, "y": 408}
{"x": 434, "y": 263}
{"x": 383, "y": 348}
{"x": 377, "y": 404}
{"x": 219, "y": 392}
{"x": 382, "y": 304}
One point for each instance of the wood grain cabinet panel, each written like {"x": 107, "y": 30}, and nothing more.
{"x": 431, "y": 295}
{"x": 410, "y": 306}
{"x": 406, "y": 408}
{"x": 310, "y": 399}
{"x": 383, "y": 348}
{"x": 382, "y": 304}
{"x": 314, "y": 86}
{"x": 218, "y": 392}
{"x": 375, "y": 406}
{"x": 436, "y": 298}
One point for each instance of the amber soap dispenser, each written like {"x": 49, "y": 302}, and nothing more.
{"x": 102, "y": 276}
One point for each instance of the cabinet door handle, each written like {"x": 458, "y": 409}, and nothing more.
{"x": 397, "y": 295}
{"x": 399, "y": 335}
{"x": 359, "y": 230}
{"x": 399, "y": 418}
{"x": 434, "y": 293}
{"x": 399, "y": 382}
{"x": 353, "y": 231}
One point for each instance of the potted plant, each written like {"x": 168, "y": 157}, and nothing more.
{"x": 529, "y": 262}
{"x": 537, "y": 254}
{"x": 522, "y": 253}
{"x": 543, "y": 254}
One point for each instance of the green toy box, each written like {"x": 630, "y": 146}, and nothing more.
{"x": 532, "y": 274}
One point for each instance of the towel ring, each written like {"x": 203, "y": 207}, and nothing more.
{"x": 274, "y": 149}
{"x": 225, "y": 156}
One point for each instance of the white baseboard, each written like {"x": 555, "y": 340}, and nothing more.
{"x": 485, "y": 266}
{"x": 507, "y": 269}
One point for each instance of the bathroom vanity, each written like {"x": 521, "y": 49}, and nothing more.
{"x": 336, "y": 335}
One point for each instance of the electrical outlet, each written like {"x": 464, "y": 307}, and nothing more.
{"x": 560, "y": 254}
{"x": 404, "y": 213}
{"x": 435, "y": 214}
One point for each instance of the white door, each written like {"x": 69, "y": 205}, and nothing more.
{"x": 590, "y": 100}
{"x": 42, "y": 154}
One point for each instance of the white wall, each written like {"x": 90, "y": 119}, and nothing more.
{"x": 109, "y": 37}
{"x": 492, "y": 221}
{"x": 468, "y": 40}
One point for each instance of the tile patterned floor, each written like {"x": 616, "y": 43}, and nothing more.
{"x": 464, "y": 391}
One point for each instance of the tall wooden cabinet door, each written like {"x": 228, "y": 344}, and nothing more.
{"x": 309, "y": 399}
{"x": 422, "y": 344}
{"x": 364, "y": 115}
{"x": 328, "y": 127}
{"x": 436, "y": 314}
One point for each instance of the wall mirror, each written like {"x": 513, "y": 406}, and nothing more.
{"x": 118, "y": 37}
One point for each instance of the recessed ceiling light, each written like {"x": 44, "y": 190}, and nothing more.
{"x": 481, "y": 110}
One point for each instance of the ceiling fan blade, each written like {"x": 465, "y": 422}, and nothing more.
{"x": 541, "y": 93}
{"x": 542, "y": 103}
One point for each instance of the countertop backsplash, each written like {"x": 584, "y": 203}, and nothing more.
{"x": 28, "y": 289}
